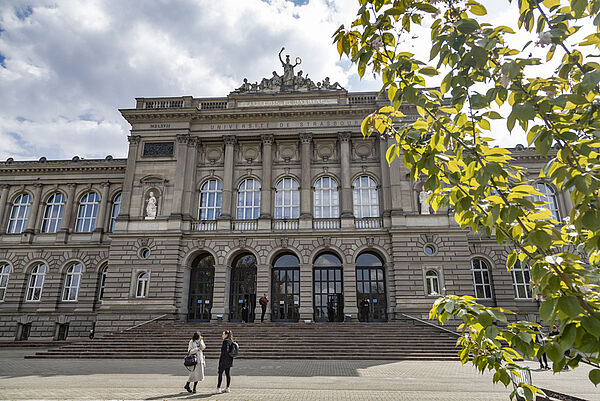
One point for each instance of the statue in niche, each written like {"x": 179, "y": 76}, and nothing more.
{"x": 423, "y": 195}
{"x": 288, "y": 68}
{"x": 151, "y": 207}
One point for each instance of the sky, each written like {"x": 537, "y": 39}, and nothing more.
{"x": 66, "y": 67}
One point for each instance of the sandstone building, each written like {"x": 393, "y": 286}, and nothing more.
{"x": 271, "y": 189}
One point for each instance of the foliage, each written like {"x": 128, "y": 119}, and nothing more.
{"x": 488, "y": 192}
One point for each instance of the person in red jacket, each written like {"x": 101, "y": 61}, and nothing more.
{"x": 263, "y": 305}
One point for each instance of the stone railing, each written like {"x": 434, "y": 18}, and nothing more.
{"x": 326, "y": 224}
{"x": 285, "y": 225}
{"x": 213, "y": 105}
{"x": 368, "y": 223}
{"x": 204, "y": 225}
{"x": 362, "y": 99}
{"x": 163, "y": 104}
{"x": 244, "y": 225}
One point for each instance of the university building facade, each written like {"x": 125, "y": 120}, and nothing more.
{"x": 270, "y": 190}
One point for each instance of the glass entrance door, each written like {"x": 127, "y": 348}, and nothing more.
{"x": 242, "y": 300}
{"x": 328, "y": 289}
{"x": 202, "y": 277}
{"x": 370, "y": 289}
{"x": 285, "y": 284}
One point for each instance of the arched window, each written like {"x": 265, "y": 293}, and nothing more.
{"x": 72, "y": 281}
{"x": 116, "y": 207}
{"x": 102, "y": 283}
{"x": 481, "y": 278}
{"x": 242, "y": 289}
{"x": 366, "y": 200}
{"x": 549, "y": 196}
{"x": 36, "y": 282}
{"x": 370, "y": 288}
{"x": 141, "y": 288}
{"x": 248, "y": 200}
{"x": 326, "y": 198}
{"x": 211, "y": 198}
{"x": 202, "y": 280}
{"x": 88, "y": 209}
{"x": 521, "y": 279}
{"x": 18, "y": 214}
{"x": 287, "y": 199}
{"x": 433, "y": 282}
{"x": 328, "y": 290}
{"x": 53, "y": 213}
{"x": 285, "y": 288}
{"x": 4, "y": 274}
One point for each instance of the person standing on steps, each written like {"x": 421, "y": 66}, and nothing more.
{"x": 225, "y": 361}
{"x": 196, "y": 346}
{"x": 264, "y": 301}
{"x": 244, "y": 312}
{"x": 364, "y": 309}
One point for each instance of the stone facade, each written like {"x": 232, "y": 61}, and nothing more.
{"x": 176, "y": 146}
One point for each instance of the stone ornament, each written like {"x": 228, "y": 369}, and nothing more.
{"x": 423, "y": 195}
{"x": 288, "y": 82}
{"x": 151, "y": 206}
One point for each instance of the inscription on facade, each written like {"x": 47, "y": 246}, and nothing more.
{"x": 158, "y": 149}
{"x": 160, "y": 126}
{"x": 288, "y": 102}
{"x": 280, "y": 125}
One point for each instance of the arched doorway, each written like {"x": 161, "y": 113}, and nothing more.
{"x": 285, "y": 289}
{"x": 202, "y": 279}
{"x": 242, "y": 294}
{"x": 370, "y": 288}
{"x": 328, "y": 289}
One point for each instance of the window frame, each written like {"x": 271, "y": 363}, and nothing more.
{"x": 204, "y": 211}
{"x": 248, "y": 200}
{"x": 142, "y": 278}
{"x": 33, "y": 282}
{"x": 102, "y": 282}
{"x": 17, "y": 221}
{"x": 5, "y": 270}
{"x": 290, "y": 209}
{"x": 321, "y": 208}
{"x": 548, "y": 196}
{"x": 487, "y": 287}
{"x": 70, "y": 291}
{"x": 370, "y": 192}
{"x": 85, "y": 223}
{"x": 116, "y": 206}
{"x": 524, "y": 272}
{"x": 53, "y": 213}
{"x": 430, "y": 280}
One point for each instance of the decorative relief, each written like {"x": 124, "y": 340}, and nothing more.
{"x": 159, "y": 149}
{"x": 287, "y": 151}
{"x": 213, "y": 153}
{"x": 363, "y": 150}
{"x": 324, "y": 150}
{"x": 250, "y": 153}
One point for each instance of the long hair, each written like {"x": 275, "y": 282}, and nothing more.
{"x": 196, "y": 336}
{"x": 229, "y": 335}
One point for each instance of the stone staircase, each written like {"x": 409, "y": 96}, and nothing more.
{"x": 398, "y": 340}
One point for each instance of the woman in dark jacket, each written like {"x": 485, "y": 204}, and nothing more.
{"x": 225, "y": 361}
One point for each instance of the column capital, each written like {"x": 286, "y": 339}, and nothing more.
{"x": 71, "y": 185}
{"x": 105, "y": 184}
{"x": 182, "y": 138}
{"x": 134, "y": 139}
{"x": 344, "y": 136}
{"x": 306, "y": 137}
{"x": 4, "y": 186}
{"x": 38, "y": 185}
{"x": 267, "y": 139}
{"x": 193, "y": 141}
{"x": 230, "y": 139}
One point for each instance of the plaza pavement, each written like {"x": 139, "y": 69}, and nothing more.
{"x": 285, "y": 380}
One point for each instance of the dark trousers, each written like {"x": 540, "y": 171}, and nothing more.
{"x": 262, "y": 315}
{"x": 543, "y": 359}
{"x": 227, "y": 374}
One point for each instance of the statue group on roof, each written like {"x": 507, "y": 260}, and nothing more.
{"x": 288, "y": 81}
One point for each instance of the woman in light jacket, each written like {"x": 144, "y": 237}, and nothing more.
{"x": 196, "y": 346}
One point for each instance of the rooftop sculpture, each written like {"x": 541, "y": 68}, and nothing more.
{"x": 288, "y": 82}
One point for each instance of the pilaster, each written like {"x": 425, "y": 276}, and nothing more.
{"x": 65, "y": 224}
{"x": 100, "y": 219}
{"x": 189, "y": 188}
{"x": 180, "y": 175}
{"x": 385, "y": 182}
{"x": 134, "y": 142}
{"x": 350, "y": 306}
{"x": 226, "y": 206}
{"x": 305, "y": 187}
{"x": 30, "y": 228}
{"x": 3, "y": 200}
{"x": 263, "y": 286}
{"x": 306, "y": 292}
{"x": 220, "y": 293}
{"x": 267, "y": 165}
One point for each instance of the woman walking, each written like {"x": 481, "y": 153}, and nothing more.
{"x": 196, "y": 346}
{"x": 225, "y": 361}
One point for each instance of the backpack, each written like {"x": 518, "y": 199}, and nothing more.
{"x": 235, "y": 349}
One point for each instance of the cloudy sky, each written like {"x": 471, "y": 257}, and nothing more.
{"x": 67, "y": 66}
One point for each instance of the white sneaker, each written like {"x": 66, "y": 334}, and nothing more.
{"x": 226, "y": 390}
{"x": 216, "y": 391}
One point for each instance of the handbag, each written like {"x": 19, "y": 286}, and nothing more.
{"x": 190, "y": 360}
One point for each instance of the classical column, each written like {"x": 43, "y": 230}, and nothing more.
{"x": 33, "y": 210}
{"x": 189, "y": 186}
{"x": 65, "y": 224}
{"x": 305, "y": 192}
{"x": 263, "y": 285}
{"x": 349, "y": 278}
{"x": 306, "y": 292}
{"x": 385, "y": 178}
{"x": 265, "y": 201}
{"x": 100, "y": 219}
{"x": 3, "y": 201}
{"x": 180, "y": 175}
{"x": 230, "y": 141}
{"x": 134, "y": 141}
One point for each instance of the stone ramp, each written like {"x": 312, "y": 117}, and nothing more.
{"x": 344, "y": 341}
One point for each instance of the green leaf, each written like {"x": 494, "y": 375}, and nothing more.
{"x": 553, "y": 350}
{"x": 467, "y": 25}
{"x": 594, "y": 376}
{"x": 476, "y": 8}
{"x": 547, "y": 309}
{"x": 591, "y": 79}
{"x": 570, "y": 306}
{"x": 524, "y": 111}
{"x": 592, "y": 325}
{"x": 485, "y": 319}
{"x": 510, "y": 261}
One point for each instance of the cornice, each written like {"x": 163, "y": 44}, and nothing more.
{"x": 36, "y": 167}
